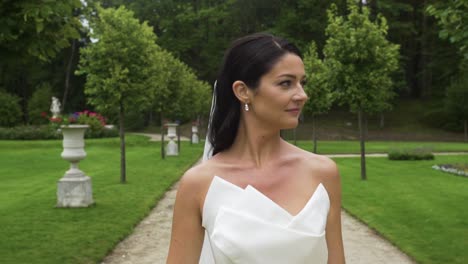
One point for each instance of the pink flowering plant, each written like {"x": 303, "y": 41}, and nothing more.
{"x": 94, "y": 120}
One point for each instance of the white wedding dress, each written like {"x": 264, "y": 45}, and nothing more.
{"x": 245, "y": 226}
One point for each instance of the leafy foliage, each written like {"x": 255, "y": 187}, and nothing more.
{"x": 456, "y": 100}
{"x": 39, "y": 29}
{"x": 10, "y": 110}
{"x": 317, "y": 86}
{"x": 360, "y": 59}
{"x": 39, "y": 103}
{"x": 181, "y": 95}
{"x": 452, "y": 17}
{"x": 411, "y": 154}
{"x": 118, "y": 65}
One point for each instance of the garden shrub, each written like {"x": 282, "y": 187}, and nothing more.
{"x": 48, "y": 132}
{"x": 422, "y": 153}
{"x": 29, "y": 133}
{"x": 10, "y": 109}
{"x": 39, "y": 104}
{"x": 102, "y": 133}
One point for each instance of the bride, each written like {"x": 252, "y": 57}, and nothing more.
{"x": 258, "y": 199}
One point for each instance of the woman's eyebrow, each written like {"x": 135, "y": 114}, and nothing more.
{"x": 291, "y": 76}
{"x": 288, "y": 75}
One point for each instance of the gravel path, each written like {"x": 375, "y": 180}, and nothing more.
{"x": 149, "y": 242}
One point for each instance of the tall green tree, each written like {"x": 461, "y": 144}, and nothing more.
{"x": 456, "y": 102}
{"x": 317, "y": 88}
{"x": 361, "y": 60}
{"x": 32, "y": 35}
{"x": 119, "y": 66}
{"x": 452, "y": 17}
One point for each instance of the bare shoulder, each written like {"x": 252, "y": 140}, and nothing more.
{"x": 195, "y": 182}
{"x": 323, "y": 169}
{"x": 323, "y": 166}
{"x": 197, "y": 175}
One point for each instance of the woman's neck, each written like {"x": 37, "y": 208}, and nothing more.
{"x": 255, "y": 145}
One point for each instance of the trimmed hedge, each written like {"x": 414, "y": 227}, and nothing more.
{"x": 48, "y": 132}
{"x": 411, "y": 154}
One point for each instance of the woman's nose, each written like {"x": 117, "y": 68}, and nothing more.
{"x": 300, "y": 94}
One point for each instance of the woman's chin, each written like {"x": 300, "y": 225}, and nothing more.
{"x": 291, "y": 125}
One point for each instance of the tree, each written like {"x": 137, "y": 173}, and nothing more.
{"x": 360, "y": 60}
{"x": 452, "y": 17}
{"x": 456, "y": 102}
{"x": 40, "y": 30}
{"x": 317, "y": 87}
{"x": 120, "y": 66}
{"x": 186, "y": 97}
{"x": 32, "y": 34}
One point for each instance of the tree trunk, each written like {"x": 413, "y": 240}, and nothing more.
{"x": 67, "y": 74}
{"x": 466, "y": 130}
{"x": 361, "y": 116}
{"x": 24, "y": 94}
{"x": 178, "y": 138}
{"x": 163, "y": 154}
{"x": 314, "y": 134}
{"x": 366, "y": 131}
{"x": 382, "y": 120}
{"x": 294, "y": 134}
{"x": 122, "y": 146}
{"x": 425, "y": 76}
{"x": 373, "y": 9}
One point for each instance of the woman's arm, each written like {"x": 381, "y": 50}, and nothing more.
{"x": 187, "y": 231}
{"x": 333, "y": 229}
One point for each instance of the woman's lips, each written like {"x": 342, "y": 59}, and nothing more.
{"x": 294, "y": 111}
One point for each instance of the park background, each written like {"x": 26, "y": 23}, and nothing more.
{"x": 163, "y": 69}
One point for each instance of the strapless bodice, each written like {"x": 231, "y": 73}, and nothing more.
{"x": 245, "y": 226}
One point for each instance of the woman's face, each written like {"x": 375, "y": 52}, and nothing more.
{"x": 280, "y": 96}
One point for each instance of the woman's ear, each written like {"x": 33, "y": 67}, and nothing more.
{"x": 241, "y": 91}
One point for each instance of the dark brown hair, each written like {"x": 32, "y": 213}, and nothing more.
{"x": 247, "y": 60}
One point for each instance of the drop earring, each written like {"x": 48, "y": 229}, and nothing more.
{"x": 246, "y": 107}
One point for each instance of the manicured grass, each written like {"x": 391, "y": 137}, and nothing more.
{"x": 344, "y": 147}
{"x": 34, "y": 231}
{"x": 419, "y": 209}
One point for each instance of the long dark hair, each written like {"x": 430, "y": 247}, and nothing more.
{"x": 247, "y": 60}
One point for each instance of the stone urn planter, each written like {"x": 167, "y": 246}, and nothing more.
{"x": 195, "y": 139}
{"x": 172, "y": 148}
{"x": 74, "y": 188}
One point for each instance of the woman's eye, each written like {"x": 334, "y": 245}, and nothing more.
{"x": 285, "y": 83}
{"x": 303, "y": 83}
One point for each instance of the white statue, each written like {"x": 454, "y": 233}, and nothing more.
{"x": 55, "y": 107}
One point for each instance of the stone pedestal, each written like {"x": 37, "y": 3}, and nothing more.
{"x": 195, "y": 139}
{"x": 74, "y": 192}
{"x": 172, "y": 148}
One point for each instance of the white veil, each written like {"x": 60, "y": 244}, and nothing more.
{"x": 208, "y": 150}
{"x": 206, "y": 256}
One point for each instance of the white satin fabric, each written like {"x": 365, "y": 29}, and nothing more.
{"x": 245, "y": 226}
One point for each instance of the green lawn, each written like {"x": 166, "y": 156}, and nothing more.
{"x": 342, "y": 147}
{"x": 419, "y": 209}
{"x": 34, "y": 231}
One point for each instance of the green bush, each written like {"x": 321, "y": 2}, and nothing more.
{"x": 10, "y": 109}
{"x": 29, "y": 133}
{"x": 48, "y": 132}
{"x": 422, "y": 153}
{"x": 40, "y": 104}
{"x": 101, "y": 133}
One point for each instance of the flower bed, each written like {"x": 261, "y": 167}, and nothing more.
{"x": 457, "y": 169}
